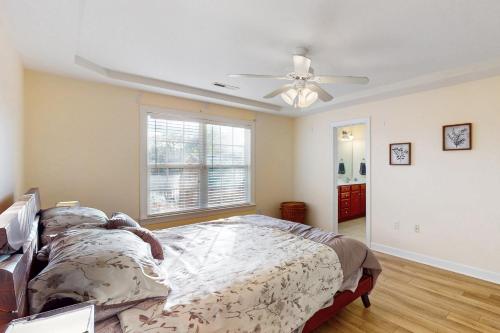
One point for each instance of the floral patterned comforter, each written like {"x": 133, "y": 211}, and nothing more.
{"x": 237, "y": 277}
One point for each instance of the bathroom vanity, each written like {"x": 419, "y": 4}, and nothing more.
{"x": 351, "y": 173}
{"x": 351, "y": 201}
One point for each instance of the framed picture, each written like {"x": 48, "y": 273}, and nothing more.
{"x": 457, "y": 137}
{"x": 400, "y": 153}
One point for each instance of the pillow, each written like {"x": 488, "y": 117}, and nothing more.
{"x": 150, "y": 238}
{"x": 59, "y": 219}
{"x": 105, "y": 267}
{"x": 121, "y": 220}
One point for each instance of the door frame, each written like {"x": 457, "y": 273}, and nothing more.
{"x": 334, "y": 140}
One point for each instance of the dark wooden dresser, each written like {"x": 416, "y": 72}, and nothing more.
{"x": 352, "y": 201}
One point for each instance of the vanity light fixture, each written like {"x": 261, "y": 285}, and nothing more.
{"x": 346, "y": 136}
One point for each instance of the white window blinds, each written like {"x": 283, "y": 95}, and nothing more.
{"x": 196, "y": 164}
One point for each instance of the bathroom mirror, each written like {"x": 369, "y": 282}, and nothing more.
{"x": 351, "y": 154}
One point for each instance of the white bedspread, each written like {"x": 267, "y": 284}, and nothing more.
{"x": 237, "y": 277}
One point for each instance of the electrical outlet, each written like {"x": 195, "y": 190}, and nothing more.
{"x": 396, "y": 225}
{"x": 417, "y": 228}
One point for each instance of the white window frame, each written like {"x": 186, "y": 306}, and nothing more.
{"x": 196, "y": 116}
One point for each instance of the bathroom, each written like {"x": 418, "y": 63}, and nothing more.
{"x": 351, "y": 181}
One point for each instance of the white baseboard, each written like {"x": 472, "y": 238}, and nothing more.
{"x": 439, "y": 263}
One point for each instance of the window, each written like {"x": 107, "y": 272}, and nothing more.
{"x": 194, "y": 164}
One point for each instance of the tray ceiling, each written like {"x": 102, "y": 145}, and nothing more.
{"x": 401, "y": 45}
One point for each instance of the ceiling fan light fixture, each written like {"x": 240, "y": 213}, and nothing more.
{"x": 305, "y": 88}
{"x": 299, "y": 98}
{"x": 289, "y": 96}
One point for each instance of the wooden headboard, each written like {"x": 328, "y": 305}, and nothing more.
{"x": 21, "y": 222}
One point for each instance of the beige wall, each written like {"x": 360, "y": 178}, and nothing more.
{"x": 82, "y": 143}
{"x": 452, "y": 195}
{"x": 11, "y": 113}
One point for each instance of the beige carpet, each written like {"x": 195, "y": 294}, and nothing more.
{"x": 354, "y": 228}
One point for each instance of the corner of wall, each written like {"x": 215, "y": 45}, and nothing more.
{"x": 11, "y": 121}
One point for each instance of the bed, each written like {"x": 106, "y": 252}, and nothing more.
{"x": 250, "y": 270}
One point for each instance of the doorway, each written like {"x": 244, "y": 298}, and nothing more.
{"x": 351, "y": 157}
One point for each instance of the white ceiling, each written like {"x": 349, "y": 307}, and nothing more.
{"x": 400, "y": 45}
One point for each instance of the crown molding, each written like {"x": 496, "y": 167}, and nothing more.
{"x": 176, "y": 87}
{"x": 421, "y": 83}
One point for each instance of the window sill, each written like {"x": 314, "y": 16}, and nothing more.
{"x": 194, "y": 214}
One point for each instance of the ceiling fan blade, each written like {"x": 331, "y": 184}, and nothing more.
{"x": 258, "y": 76}
{"x": 341, "y": 79}
{"x": 322, "y": 94}
{"x": 279, "y": 91}
{"x": 301, "y": 64}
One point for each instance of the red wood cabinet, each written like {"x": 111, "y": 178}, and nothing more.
{"x": 355, "y": 203}
{"x": 351, "y": 201}
{"x": 363, "y": 200}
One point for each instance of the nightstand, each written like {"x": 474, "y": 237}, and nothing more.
{"x": 78, "y": 318}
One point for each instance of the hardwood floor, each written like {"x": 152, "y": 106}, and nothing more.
{"x": 410, "y": 297}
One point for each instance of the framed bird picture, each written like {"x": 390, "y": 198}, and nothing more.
{"x": 400, "y": 153}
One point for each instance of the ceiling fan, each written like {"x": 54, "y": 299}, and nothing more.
{"x": 305, "y": 89}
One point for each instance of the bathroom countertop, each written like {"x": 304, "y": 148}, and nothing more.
{"x": 342, "y": 183}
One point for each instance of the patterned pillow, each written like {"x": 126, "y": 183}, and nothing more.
{"x": 121, "y": 220}
{"x": 58, "y": 219}
{"x": 106, "y": 267}
{"x": 150, "y": 238}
